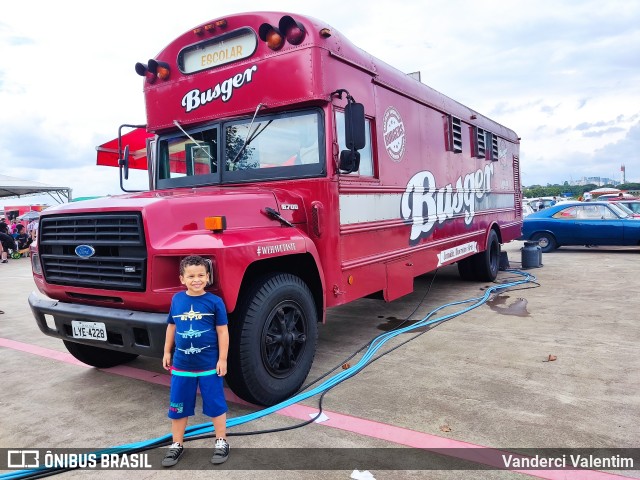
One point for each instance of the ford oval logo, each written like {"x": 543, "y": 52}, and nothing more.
{"x": 85, "y": 251}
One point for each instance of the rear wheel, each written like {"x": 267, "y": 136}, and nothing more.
{"x": 546, "y": 241}
{"x": 98, "y": 357}
{"x": 272, "y": 340}
{"x": 482, "y": 266}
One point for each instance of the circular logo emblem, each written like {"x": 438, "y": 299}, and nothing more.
{"x": 85, "y": 251}
{"x": 394, "y": 137}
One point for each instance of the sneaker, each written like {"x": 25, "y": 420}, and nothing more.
{"x": 173, "y": 455}
{"x": 221, "y": 452}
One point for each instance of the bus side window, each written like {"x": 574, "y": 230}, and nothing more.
{"x": 366, "y": 154}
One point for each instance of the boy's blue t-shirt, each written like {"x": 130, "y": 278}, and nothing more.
{"x": 196, "y": 339}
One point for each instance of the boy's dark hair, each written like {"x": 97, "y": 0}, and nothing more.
{"x": 192, "y": 260}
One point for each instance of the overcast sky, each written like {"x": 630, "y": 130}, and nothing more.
{"x": 565, "y": 75}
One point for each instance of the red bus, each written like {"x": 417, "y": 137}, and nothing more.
{"x": 309, "y": 172}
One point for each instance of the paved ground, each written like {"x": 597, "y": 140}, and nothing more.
{"x": 481, "y": 379}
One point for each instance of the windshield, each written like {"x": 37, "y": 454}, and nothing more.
{"x": 621, "y": 210}
{"x": 271, "y": 147}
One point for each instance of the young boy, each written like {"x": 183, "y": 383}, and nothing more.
{"x": 197, "y": 325}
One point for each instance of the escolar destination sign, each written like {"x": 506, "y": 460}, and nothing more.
{"x": 221, "y": 52}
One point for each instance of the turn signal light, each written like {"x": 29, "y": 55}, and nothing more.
{"x": 153, "y": 70}
{"x": 292, "y": 30}
{"x": 215, "y": 224}
{"x": 161, "y": 69}
{"x": 271, "y": 36}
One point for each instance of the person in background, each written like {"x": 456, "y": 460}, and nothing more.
{"x": 587, "y": 196}
{"x": 554, "y": 201}
{"x": 32, "y": 228}
{"x": 22, "y": 239}
{"x": 6, "y": 242}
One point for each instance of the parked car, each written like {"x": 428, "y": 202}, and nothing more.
{"x": 526, "y": 209}
{"x": 545, "y": 202}
{"x": 579, "y": 223}
{"x": 627, "y": 209}
{"x": 633, "y": 205}
{"x": 611, "y": 197}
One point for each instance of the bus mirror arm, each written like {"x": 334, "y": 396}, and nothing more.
{"x": 123, "y": 159}
{"x": 124, "y": 162}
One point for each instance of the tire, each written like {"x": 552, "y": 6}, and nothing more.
{"x": 98, "y": 357}
{"x": 483, "y": 266}
{"x": 273, "y": 339}
{"x": 465, "y": 268}
{"x": 546, "y": 241}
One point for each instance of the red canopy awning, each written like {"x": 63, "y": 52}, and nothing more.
{"x": 137, "y": 141}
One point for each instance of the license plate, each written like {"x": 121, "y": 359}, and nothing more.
{"x": 89, "y": 330}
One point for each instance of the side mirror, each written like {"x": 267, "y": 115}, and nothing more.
{"x": 354, "y": 126}
{"x": 349, "y": 161}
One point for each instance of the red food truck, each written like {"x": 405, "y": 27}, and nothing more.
{"x": 310, "y": 174}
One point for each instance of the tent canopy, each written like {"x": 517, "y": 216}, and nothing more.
{"x": 11, "y": 187}
{"x": 30, "y": 215}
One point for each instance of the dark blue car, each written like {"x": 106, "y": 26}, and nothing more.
{"x": 581, "y": 223}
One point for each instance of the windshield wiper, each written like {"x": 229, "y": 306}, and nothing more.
{"x": 271, "y": 213}
{"x": 193, "y": 140}
{"x": 251, "y": 135}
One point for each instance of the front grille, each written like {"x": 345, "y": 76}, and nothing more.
{"x": 120, "y": 259}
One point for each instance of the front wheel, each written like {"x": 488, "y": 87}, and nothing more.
{"x": 96, "y": 356}
{"x": 272, "y": 339}
{"x": 546, "y": 241}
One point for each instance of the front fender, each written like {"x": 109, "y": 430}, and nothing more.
{"x": 241, "y": 248}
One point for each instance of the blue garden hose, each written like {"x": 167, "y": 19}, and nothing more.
{"x": 375, "y": 345}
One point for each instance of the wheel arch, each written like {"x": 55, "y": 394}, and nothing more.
{"x": 302, "y": 265}
{"x": 493, "y": 227}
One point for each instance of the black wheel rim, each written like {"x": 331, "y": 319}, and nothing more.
{"x": 283, "y": 340}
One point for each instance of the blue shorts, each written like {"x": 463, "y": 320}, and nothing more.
{"x": 183, "y": 396}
